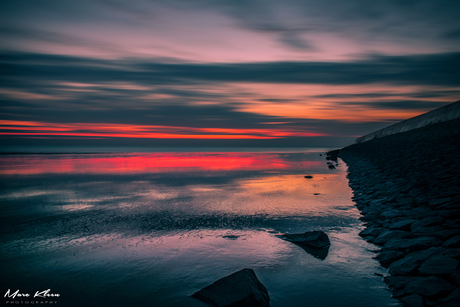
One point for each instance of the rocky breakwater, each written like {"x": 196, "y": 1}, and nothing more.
{"x": 407, "y": 187}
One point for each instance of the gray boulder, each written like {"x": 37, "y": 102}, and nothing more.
{"x": 240, "y": 289}
{"x": 315, "y": 239}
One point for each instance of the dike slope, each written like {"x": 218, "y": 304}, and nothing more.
{"x": 443, "y": 114}
{"x": 407, "y": 187}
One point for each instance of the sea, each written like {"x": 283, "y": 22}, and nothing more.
{"x": 151, "y": 226}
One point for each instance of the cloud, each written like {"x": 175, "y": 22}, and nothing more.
{"x": 249, "y": 29}
{"x": 431, "y": 69}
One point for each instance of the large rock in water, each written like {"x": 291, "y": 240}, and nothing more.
{"x": 315, "y": 239}
{"x": 240, "y": 289}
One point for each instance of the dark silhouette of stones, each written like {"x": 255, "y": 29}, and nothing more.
{"x": 438, "y": 266}
{"x": 315, "y": 239}
{"x": 427, "y": 231}
{"x": 390, "y": 214}
{"x": 451, "y": 224}
{"x": 447, "y": 233}
{"x": 427, "y": 222}
{"x": 452, "y": 300}
{"x": 452, "y": 242}
{"x": 309, "y": 177}
{"x": 409, "y": 182}
{"x": 332, "y": 155}
{"x": 396, "y": 282}
{"x": 416, "y": 244}
{"x": 437, "y": 202}
{"x": 428, "y": 287}
{"x": 456, "y": 277}
{"x": 371, "y": 215}
{"x": 372, "y": 231}
{"x": 389, "y": 256}
{"x": 413, "y": 300}
{"x": 409, "y": 264}
{"x": 447, "y": 252}
{"x": 402, "y": 225}
{"x": 388, "y": 235}
{"x": 240, "y": 289}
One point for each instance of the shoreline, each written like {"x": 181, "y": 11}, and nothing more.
{"x": 406, "y": 187}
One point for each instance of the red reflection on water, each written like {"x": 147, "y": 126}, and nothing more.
{"x": 143, "y": 163}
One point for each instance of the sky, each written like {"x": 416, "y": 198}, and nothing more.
{"x": 221, "y": 73}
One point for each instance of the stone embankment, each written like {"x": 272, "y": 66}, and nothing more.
{"x": 407, "y": 187}
{"x": 443, "y": 114}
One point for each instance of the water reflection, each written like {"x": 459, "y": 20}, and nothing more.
{"x": 163, "y": 225}
{"x": 147, "y": 163}
{"x": 320, "y": 253}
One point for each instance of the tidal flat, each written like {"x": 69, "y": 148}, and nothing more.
{"x": 151, "y": 228}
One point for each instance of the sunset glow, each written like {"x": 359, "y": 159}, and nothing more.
{"x": 140, "y": 131}
{"x": 221, "y": 73}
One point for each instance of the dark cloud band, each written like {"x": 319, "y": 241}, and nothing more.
{"x": 432, "y": 69}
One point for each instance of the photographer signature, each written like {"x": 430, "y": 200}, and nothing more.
{"x": 43, "y": 294}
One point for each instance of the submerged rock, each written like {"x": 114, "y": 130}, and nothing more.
{"x": 315, "y": 239}
{"x": 240, "y": 289}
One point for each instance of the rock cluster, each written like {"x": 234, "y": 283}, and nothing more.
{"x": 407, "y": 189}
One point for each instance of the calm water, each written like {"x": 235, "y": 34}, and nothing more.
{"x": 149, "y": 229}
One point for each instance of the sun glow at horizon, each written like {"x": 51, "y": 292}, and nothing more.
{"x": 109, "y": 130}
